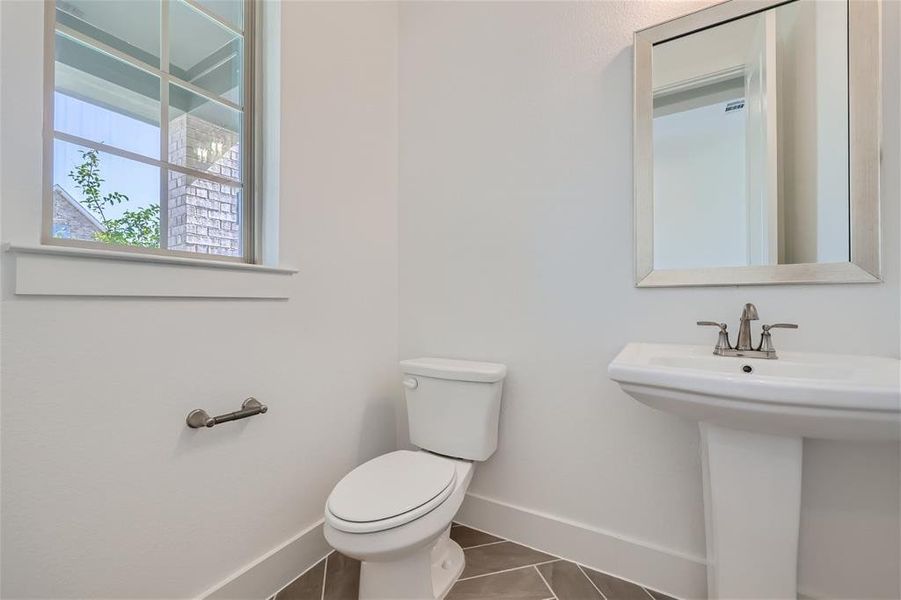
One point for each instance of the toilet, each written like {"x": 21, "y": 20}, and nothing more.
{"x": 394, "y": 512}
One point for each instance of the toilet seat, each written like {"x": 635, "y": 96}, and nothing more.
{"x": 389, "y": 491}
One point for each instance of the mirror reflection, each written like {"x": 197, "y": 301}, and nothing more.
{"x": 750, "y": 141}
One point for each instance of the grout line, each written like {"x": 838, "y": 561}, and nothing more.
{"x": 487, "y": 544}
{"x": 618, "y": 578}
{"x": 304, "y": 572}
{"x": 545, "y": 552}
{"x": 508, "y": 570}
{"x": 561, "y": 558}
{"x": 584, "y": 574}
{"x": 456, "y": 524}
{"x": 549, "y": 588}
{"x": 324, "y": 575}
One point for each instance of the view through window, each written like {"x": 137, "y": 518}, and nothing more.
{"x": 150, "y": 135}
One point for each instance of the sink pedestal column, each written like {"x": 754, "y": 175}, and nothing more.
{"x": 752, "y": 508}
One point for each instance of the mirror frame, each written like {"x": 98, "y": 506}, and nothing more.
{"x": 865, "y": 131}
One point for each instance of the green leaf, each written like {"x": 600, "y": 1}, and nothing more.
{"x": 134, "y": 228}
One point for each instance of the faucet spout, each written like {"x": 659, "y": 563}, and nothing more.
{"x": 748, "y": 314}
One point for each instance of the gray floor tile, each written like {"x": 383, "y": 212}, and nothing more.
{"x": 568, "y": 582}
{"x": 616, "y": 589}
{"x": 497, "y": 557}
{"x": 306, "y": 587}
{"x": 342, "y": 578}
{"x": 468, "y": 537}
{"x": 521, "y": 584}
{"x": 521, "y": 578}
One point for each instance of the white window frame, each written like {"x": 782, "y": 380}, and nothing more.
{"x": 249, "y": 136}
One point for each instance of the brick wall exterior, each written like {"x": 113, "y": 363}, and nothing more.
{"x": 204, "y": 216}
{"x": 68, "y": 221}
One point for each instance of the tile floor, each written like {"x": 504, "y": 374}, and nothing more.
{"x": 495, "y": 568}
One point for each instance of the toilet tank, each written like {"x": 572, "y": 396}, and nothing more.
{"x": 453, "y": 405}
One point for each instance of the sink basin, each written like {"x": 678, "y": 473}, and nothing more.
{"x": 830, "y": 396}
{"x": 753, "y": 414}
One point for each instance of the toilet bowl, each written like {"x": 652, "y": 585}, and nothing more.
{"x": 394, "y": 512}
{"x": 408, "y": 555}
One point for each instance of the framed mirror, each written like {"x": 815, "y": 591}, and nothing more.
{"x": 756, "y": 150}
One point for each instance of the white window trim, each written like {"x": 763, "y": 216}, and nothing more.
{"x": 252, "y": 244}
{"x": 42, "y": 270}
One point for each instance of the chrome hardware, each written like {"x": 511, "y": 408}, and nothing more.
{"x": 198, "y": 417}
{"x": 743, "y": 346}
{"x": 722, "y": 342}
{"x": 766, "y": 338}
{"x": 748, "y": 314}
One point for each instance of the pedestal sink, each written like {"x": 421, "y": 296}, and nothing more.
{"x": 753, "y": 415}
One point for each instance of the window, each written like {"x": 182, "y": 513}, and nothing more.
{"x": 150, "y": 143}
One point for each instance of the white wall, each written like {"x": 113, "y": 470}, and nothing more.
{"x": 813, "y": 113}
{"x": 832, "y": 127}
{"x": 516, "y": 246}
{"x": 106, "y": 493}
{"x": 700, "y": 195}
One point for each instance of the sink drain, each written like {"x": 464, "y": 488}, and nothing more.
{"x": 747, "y": 368}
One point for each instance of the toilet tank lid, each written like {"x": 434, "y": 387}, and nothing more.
{"x": 459, "y": 370}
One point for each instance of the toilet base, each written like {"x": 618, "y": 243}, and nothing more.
{"x": 447, "y": 564}
{"x": 426, "y": 574}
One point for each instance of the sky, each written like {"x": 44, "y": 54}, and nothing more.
{"x": 139, "y": 181}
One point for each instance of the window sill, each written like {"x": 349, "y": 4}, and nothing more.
{"x": 44, "y": 270}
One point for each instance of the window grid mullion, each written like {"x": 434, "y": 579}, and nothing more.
{"x": 214, "y": 17}
{"x": 138, "y": 64}
{"x": 191, "y": 172}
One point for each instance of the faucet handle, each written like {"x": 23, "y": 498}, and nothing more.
{"x": 722, "y": 342}
{"x": 779, "y": 326}
{"x": 766, "y": 338}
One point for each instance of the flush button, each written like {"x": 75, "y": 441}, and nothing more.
{"x": 411, "y": 383}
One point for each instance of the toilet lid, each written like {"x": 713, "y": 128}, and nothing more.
{"x": 392, "y": 485}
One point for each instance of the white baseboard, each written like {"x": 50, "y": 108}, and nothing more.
{"x": 274, "y": 570}
{"x": 672, "y": 572}
{"x": 805, "y": 593}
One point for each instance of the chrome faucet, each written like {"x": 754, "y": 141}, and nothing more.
{"x": 748, "y": 314}
{"x": 743, "y": 346}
